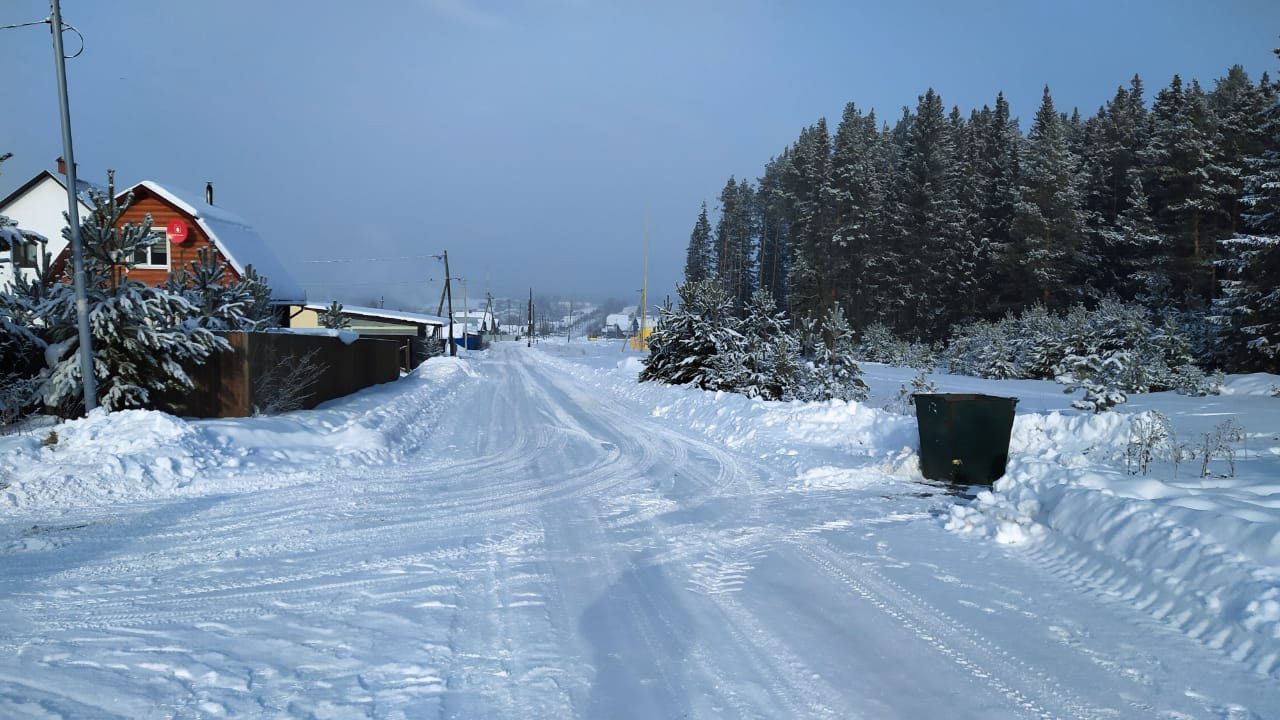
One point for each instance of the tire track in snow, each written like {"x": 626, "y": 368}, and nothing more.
{"x": 1028, "y": 689}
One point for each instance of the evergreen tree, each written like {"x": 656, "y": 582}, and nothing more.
{"x": 761, "y": 359}
{"x": 774, "y": 216}
{"x": 856, "y": 197}
{"x": 687, "y": 339}
{"x": 333, "y": 318}
{"x": 969, "y": 251}
{"x": 811, "y": 228}
{"x": 697, "y": 264}
{"x": 143, "y": 337}
{"x": 1239, "y": 108}
{"x": 836, "y": 374}
{"x": 1119, "y": 239}
{"x": 1249, "y": 306}
{"x": 735, "y": 241}
{"x": 1186, "y": 185}
{"x": 932, "y": 222}
{"x": 1047, "y": 225}
{"x": 999, "y": 172}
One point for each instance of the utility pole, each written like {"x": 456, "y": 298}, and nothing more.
{"x": 466, "y": 317}
{"x": 644, "y": 292}
{"x": 569, "y": 336}
{"x": 90, "y": 382}
{"x": 530, "y": 317}
{"x": 448, "y": 291}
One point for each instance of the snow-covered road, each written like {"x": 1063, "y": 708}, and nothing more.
{"x": 554, "y": 550}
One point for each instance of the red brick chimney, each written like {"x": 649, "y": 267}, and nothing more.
{"x": 62, "y": 165}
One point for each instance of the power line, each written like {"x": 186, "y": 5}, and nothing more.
{"x": 332, "y": 261}
{"x": 49, "y": 21}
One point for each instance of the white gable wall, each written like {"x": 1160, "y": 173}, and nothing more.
{"x": 39, "y": 210}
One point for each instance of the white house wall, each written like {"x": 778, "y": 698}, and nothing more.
{"x": 39, "y": 210}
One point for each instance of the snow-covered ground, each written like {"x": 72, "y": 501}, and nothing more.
{"x": 532, "y": 533}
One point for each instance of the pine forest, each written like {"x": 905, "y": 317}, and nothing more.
{"x": 934, "y": 226}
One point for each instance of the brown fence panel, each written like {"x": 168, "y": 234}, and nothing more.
{"x": 229, "y": 383}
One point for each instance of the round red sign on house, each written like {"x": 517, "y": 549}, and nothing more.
{"x": 177, "y": 231}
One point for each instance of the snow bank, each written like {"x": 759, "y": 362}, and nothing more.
{"x": 1202, "y": 553}
{"x": 1199, "y": 553}
{"x": 144, "y": 454}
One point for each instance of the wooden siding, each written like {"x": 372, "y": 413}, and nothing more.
{"x": 162, "y": 213}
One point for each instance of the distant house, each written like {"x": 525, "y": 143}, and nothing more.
{"x": 206, "y": 226}
{"x": 413, "y": 330}
{"x": 38, "y": 206}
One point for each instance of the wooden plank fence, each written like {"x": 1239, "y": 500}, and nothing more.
{"x": 233, "y": 383}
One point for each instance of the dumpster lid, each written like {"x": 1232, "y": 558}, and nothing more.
{"x": 953, "y": 397}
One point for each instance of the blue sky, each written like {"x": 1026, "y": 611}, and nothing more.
{"x": 536, "y": 139}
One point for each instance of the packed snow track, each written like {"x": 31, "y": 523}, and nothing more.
{"x": 553, "y": 549}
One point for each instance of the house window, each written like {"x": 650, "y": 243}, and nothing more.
{"x": 25, "y": 255}
{"x": 155, "y": 255}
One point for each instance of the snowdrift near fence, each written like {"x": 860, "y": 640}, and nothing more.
{"x": 148, "y": 455}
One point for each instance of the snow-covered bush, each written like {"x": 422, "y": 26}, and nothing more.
{"x": 985, "y": 349}
{"x": 879, "y": 344}
{"x": 142, "y": 336}
{"x": 1113, "y": 347}
{"x": 1148, "y": 433}
{"x": 703, "y": 343}
{"x": 1221, "y": 443}
{"x": 902, "y": 403}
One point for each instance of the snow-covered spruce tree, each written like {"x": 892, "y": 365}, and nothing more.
{"x": 1047, "y": 225}
{"x": 1249, "y": 306}
{"x": 984, "y": 349}
{"x": 698, "y": 261}
{"x": 20, "y": 346}
{"x": 142, "y": 336}
{"x": 762, "y": 360}
{"x": 333, "y": 318}
{"x": 1100, "y": 376}
{"x": 221, "y": 305}
{"x": 688, "y": 337}
{"x": 835, "y": 373}
{"x": 879, "y": 344}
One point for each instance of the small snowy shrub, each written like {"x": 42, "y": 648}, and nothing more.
{"x": 1148, "y": 432}
{"x": 1191, "y": 380}
{"x": 287, "y": 385}
{"x": 1221, "y": 443}
{"x": 902, "y": 404}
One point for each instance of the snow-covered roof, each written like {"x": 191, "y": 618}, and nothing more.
{"x": 236, "y": 239}
{"x": 373, "y": 313}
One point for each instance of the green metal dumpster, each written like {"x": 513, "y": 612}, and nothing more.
{"x": 964, "y": 438}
